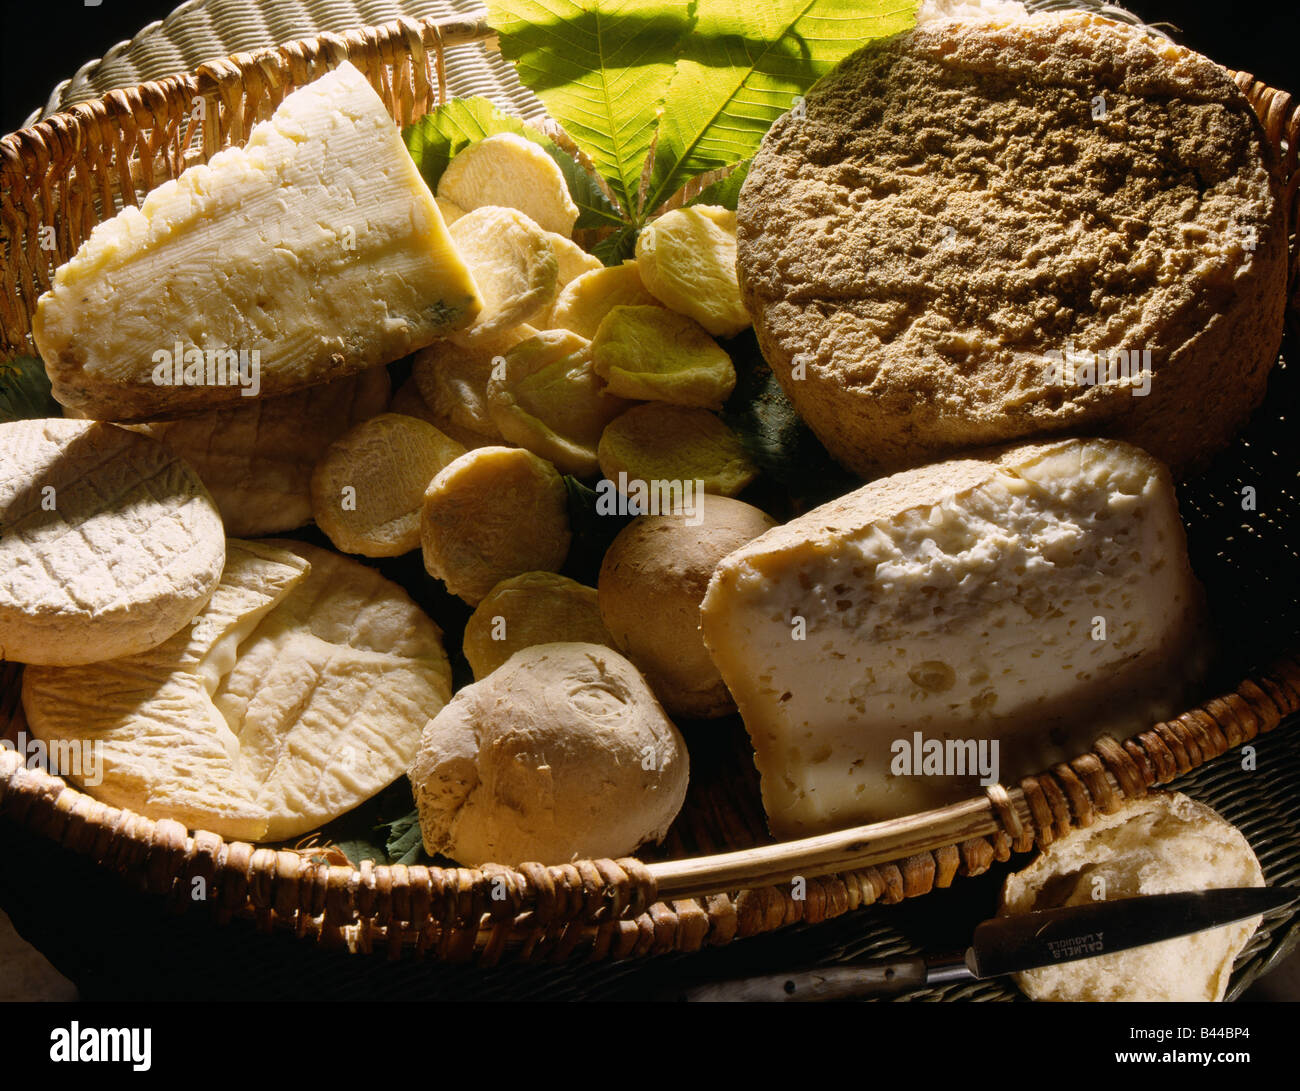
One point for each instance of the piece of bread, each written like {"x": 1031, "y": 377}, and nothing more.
{"x": 1029, "y": 599}
{"x": 958, "y": 214}
{"x": 1163, "y": 844}
{"x": 561, "y": 753}
{"x": 109, "y": 543}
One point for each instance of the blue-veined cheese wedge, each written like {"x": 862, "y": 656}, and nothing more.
{"x": 314, "y": 251}
{"x": 970, "y": 621}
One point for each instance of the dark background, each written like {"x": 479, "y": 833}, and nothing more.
{"x": 43, "y": 42}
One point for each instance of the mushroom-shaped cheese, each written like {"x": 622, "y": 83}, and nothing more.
{"x": 561, "y": 753}
{"x": 654, "y": 575}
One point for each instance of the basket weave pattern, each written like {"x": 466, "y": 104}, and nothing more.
{"x": 75, "y": 169}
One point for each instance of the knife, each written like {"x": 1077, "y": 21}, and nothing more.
{"x": 1007, "y": 945}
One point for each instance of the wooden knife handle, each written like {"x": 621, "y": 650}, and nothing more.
{"x": 844, "y": 982}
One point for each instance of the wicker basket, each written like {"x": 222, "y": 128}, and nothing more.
{"x": 720, "y": 878}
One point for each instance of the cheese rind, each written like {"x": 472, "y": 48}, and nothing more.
{"x": 316, "y": 245}
{"x": 256, "y": 458}
{"x": 1039, "y": 596}
{"x": 299, "y": 691}
{"x": 109, "y": 543}
{"x": 166, "y": 752}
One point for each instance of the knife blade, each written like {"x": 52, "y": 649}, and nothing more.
{"x": 1007, "y": 945}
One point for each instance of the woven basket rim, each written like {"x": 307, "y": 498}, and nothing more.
{"x": 883, "y": 861}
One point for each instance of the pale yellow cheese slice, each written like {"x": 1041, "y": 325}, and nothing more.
{"x": 299, "y": 692}
{"x": 1028, "y": 599}
{"x": 164, "y": 749}
{"x": 316, "y": 245}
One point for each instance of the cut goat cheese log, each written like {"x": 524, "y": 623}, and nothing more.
{"x": 1039, "y": 596}
{"x": 316, "y": 246}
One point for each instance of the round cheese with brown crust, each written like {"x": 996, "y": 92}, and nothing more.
{"x": 961, "y": 217}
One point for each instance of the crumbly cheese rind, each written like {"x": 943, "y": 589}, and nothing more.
{"x": 109, "y": 543}
{"x": 316, "y": 244}
{"x": 1039, "y": 596}
{"x": 947, "y": 218}
{"x": 1163, "y": 844}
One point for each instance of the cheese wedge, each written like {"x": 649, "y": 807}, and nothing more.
{"x": 1034, "y": 597}
{"x": 314, "y": 251}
